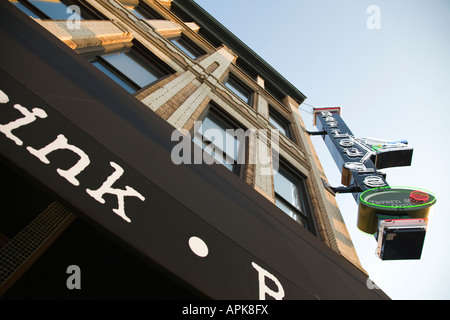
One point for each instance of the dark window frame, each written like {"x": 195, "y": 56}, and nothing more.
{"x": 187, "y": 46}
{"x": 305, "y": 212}
{"x": 238, "y": 168}
{"x": 86, "y": 11}
{"x": 233, "y": 82}
{"x": 145, "y": 11}
{"x": 282, "y": 122}
{"x": 144, "y": 55}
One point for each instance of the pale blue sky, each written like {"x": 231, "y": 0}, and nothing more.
{"x": 392, "y": 83}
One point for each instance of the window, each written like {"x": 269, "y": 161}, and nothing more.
{"x": 290, "y": 196}
{"x": 55, "y": 9}
{"x": 137, "y": 12}
{"x": 188, "y": 47}
{"x": 144, "y": 12}
{"x": 218, "y": 137}
{"x": 280, "y": 123}
{"x": 132, "y": 68}
{"x": 25, "y": 9}
{"x": 240, "y": 89}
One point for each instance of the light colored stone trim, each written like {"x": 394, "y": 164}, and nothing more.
{"x": 158, "y": 98}
{"x": 88, "y": 33}
{"x": 185, "y": 111}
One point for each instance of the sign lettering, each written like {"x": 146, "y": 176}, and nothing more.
{"x": 263, "y": 288}
{"x": 353, "y": 155}
{"x": 28, "y": 118}
{"x": 60, "y": 143}
{"x": 121, "y": 194}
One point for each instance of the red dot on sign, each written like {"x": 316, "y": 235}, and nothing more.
{"x": 418, "y": 196}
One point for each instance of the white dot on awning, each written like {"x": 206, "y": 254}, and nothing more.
{"x": 198, "y": 246}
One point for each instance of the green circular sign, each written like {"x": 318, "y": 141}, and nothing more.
{"x": 397, "y": 198}
{"x": 392, "y": 202}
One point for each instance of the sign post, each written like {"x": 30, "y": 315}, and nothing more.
{"x": 396, "y": 216}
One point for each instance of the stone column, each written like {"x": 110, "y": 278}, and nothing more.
{"x": 221, "y": 60}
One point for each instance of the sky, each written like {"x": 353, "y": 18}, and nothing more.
{"x": 387, "y": 64}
